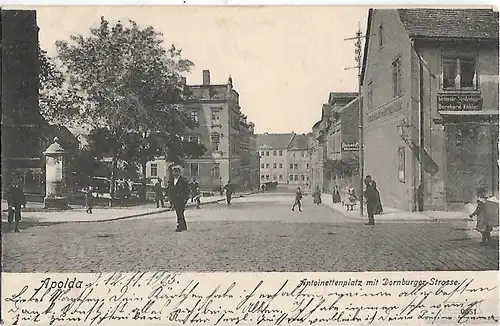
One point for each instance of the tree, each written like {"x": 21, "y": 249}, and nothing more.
{"x": 133, "y": 86}
{"x": 58, "y": 101}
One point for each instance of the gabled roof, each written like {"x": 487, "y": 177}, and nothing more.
{"x": 278, "y": 141}
{"x": 299, "y": 142}
{"x": 450, "y": 23}
{"x": 441, "y": 24}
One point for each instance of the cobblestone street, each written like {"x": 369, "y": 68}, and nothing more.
{"x": 258, "y": 233}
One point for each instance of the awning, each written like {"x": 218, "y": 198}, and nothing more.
{"x": 426, "y": 161}
{"x": 470, "y": 113}
{"x": 468, "y": 116}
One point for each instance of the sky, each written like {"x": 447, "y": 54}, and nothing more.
{"x": 284, "y": 60}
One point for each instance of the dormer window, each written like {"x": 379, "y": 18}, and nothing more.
{"x": 459, "y": 73}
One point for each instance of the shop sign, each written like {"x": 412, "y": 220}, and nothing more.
{"x": 350, "y": 147}
{"x": 456, "y": 102}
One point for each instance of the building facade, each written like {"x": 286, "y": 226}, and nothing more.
{"x": 272, "y": 149}
{"x": 285, "y": 158}
{"x": 299, "y": 162}
{"x": 21, "y": 120}
{"x": 430, "y": 80}
{"x": 335, "y": 143}
{"x": 225, "y": 132}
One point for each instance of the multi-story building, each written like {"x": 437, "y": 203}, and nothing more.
{"x": 430, "y": 80}
{"x": 21, "y": 119}
{"x": 298, "y": 162}
{"x": 284, "y": 159}
{"x": 273, "y": 157}
{"x": 226, "y": 134}
{"x": 335, "y": 141}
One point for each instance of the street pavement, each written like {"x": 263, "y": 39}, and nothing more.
{"x": 255, "y": 233}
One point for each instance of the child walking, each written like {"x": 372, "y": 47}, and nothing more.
{"x": 483, "y": 225}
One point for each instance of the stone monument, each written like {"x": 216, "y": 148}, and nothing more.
{"x": 55, "y": 190}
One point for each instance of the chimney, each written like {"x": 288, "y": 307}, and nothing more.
{"x": 206, "y": 77}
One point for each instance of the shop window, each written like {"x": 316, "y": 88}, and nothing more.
{"x": 459, "y": 73}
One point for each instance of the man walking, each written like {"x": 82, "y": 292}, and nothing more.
{"x": 178, "y": 196}
{"x": 15, "y": 199}
{"x": 229, "y": 191}
{"x": 298, "y": 198}
{"x": 159, "y": 194}
{"x": 372, "y": 199}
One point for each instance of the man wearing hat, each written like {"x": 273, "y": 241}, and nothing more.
{"x": 178, "y": 189}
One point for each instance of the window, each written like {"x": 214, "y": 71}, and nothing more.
{"x": 215, "y": 117}
{"x": 194, "y": 139}
{"x": 307, "y": 166}
{"x": 459, "y": 73}
{"x": 293, "y": 154}
{"x": 370, "y": 96}
{"x": 296, "y": 166}
{"x": 267, "y": 165}
{"x": 262, "y": 177}
{"x": 275, "y": 165}
{"x": 281, "y": 177}
{"x": 274, "y": 177}
{"x": 302, "y": 177}
{"x": 267, "y": 177}
{"x": 291, "y": 177}
{"x": 396, "y": 77}
{"x": 281, "y": 153}
{"x": 262, "y": 153}
{"x": 307, "y": 178}
{"x": 302, "y": 154}
{"x": 380, "y": 37}
{"x": 291, "y": 166}
{"x": 281, "y": 165}
{"x": 215, "y": 137}
{"x": 216, "y": 170}
{"x": 296, "y": 177}
{"x": 274, "y": 153}
{"x": 194, "y": 169}
{"x": 267, "y": 153}
{"x": 154, "y": 169}
{"x": 194, "y": 115}
{"x": 401, "y": 161}
{"x": 262, "y": 165}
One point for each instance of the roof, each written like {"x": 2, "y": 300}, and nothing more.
{"x": 450, "y": 23}
{"x": 299, "y": 141}
{"x": 279, "y": 141}
{"x": 442, "y": 24}
{"x": 341, "y": 95}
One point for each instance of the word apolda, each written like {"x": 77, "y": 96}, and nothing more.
{"x": 67, "y": 284}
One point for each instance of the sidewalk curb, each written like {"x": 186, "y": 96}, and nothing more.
{"x": 427, "y": 219}
{"x": 44, "y": 223}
